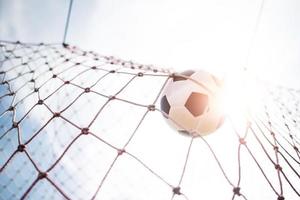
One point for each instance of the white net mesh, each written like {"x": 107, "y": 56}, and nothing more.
{"x": 77, "y": 125}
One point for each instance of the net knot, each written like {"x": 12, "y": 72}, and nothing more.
{"x": 94, "y": 67}
{"x": 50, "y": 69}
{"x": 140, "y": 74}
{"x": 15, "y": 125}
{"x": 56, "y": 114}
{"x": 85, "y": 131}
{"x": 278, "y": 167}
{"x": 11, "y": 108}
{"x": 40, "y": 102}
{"x": 296, "y": 148}
{"x": 272, "y": 133}
{"x": 36, "y": 89}
{"x": 121, "y": 151}
{"x": 151, "y": 107}
{"x": 87, "y": 90}
{"x": 42, "y": 175}
{"x": 237, "y": 191}
{"x": 112, "y": 71}
{"x": 67, "y": 82}
{"x": 21, "y": 147}
{"x": 176, "y": 190}
{"x": 54, "y": 76}
{"x": 111, "y": 98}
{"x": 276, "y": 148}
{"x": 242, "y": 141}
{"x": 280, "y": 198}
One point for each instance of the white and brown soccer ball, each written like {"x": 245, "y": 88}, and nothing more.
{"x": 190, "y": 102}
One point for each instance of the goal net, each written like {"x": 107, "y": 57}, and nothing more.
{"x": 78, "y": 125}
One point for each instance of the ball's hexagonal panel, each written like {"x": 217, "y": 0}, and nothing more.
{"x": 196, "y": 103}
{"x": 165, "y": 105}
{"x": 183, "y": 118}
{"x": 185, "y": 73}
{"x": 178, "y": 92}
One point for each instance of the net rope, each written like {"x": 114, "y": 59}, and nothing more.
{"x": 73, "y": 122}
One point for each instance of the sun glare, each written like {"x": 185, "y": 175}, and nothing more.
{"x": 239, "y": 96}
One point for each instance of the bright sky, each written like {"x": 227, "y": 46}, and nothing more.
{"x": 213, "y": 35}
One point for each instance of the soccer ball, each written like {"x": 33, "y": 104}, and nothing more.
{"x": 190, "y": 102}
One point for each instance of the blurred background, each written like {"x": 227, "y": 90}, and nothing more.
{"x": 214, "y": 35}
